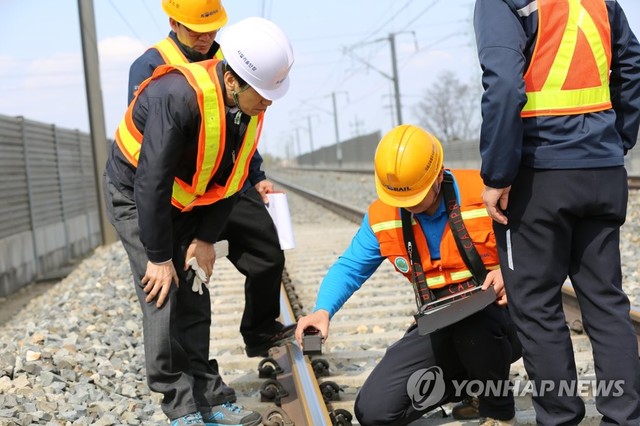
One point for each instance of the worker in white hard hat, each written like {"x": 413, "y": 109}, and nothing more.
{"x": 410, "y": 225}
{"x": 181, "y": 155}
{"x": 254, "y": 248}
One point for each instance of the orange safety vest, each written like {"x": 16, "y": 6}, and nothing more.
{"x": 569, "y": 69}
{"x": 450, "y": 268}
{"x": 211, "y": 142}
{"x": 171, "y": 53}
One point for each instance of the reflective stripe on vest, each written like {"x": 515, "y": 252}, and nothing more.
{"x": 211, "y": 139}
{"x": 390, "y": 224}
{"x": 170, "y": 52}
{"x": 569, "y": 69}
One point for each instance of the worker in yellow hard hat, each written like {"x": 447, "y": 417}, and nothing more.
{"x": 172, "y": 180}
{"x": 194, "y": 25}
{"x": 411, "y": 226}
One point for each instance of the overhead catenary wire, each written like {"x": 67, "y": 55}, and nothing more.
{"x": 133, "y": 31}
{"x": 153, "y": 19}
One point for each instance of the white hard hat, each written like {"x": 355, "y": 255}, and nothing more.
{"x": 260, "y": 53}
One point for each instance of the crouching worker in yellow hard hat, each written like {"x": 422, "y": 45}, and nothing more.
{"x": 421, "y": 372}
{"x": 182, "y": 153}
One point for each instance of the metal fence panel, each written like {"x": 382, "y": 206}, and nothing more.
{"x": 49, "y": 215}
{"x": 13, "y": 174}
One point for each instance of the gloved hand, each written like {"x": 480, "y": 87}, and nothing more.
{"x": 200, "y": 278}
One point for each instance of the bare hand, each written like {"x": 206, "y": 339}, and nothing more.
{"x": 204, "y": 253}
{"x": 264, "y": 187}
{"x": 157, "y": 281}
{"x": 319, "y": 319}
{"x": 496, "y": 201}
{"x": 494, "y": 279}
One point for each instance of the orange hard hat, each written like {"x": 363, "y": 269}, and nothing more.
{"x": 407, "y": 162}
{"x": 201, "y": 16}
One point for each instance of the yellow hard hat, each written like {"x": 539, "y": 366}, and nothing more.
{"x": 201, "y": 16}
{"x": 407, "y": 162}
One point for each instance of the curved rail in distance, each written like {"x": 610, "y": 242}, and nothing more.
{"x": 634, "y": 181}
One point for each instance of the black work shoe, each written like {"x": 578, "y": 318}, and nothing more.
{"x": 467, "y": 409}
{"x": 229, "y": 395}
{"x": 285, "y": 335}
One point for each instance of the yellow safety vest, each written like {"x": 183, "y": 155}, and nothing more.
{"x": 569, "y": 69}
{"x": 171, "y": 53}
{"x": 211, "y": 142}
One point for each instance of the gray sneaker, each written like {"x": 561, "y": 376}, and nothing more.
{"x": 193, "y": 419}
{"x": 229, "y": 414}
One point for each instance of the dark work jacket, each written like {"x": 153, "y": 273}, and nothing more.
{"x": 145, "y": 64}
{"x": 167, "y": 114}
{"x": 506, "y": 32}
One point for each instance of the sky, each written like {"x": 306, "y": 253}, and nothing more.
{"x": 342, "y": 51}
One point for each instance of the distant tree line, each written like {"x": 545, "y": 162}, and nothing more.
{"x": 451, "y": 109}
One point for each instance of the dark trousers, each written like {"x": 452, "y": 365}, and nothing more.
{"x": 417, "y": 372}
{"x": 567, "y": 223}
{"x": 255, "y": 251}
{"x": 176, "y": 336}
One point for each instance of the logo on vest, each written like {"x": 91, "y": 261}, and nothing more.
{"x": 401, "y": 265}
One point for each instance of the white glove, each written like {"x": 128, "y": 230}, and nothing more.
{"x": 200, "y": 278}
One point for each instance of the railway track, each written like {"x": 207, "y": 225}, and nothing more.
{"x": 355, "y": 215}
{"x": 320, "y": 389}
{"x": 288, "y": 388}
{"x": 634, "y": 181}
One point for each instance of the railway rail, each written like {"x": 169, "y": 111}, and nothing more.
{"x": 634, "y": 181}
{"x": 288, "y": 387}
{"x": 571, "y": 307}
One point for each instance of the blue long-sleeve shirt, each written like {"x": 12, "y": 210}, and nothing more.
{"x": 506, "y": 32}
{"x": 361, "y": 259}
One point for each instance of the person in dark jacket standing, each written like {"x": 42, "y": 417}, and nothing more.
{"x": 560, "y": 110}
{"x": 254, "y": 248}
{"x": 181, "y": 156}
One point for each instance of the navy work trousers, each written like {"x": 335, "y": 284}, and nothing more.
{"x": 567, "y": 223}
{"x": 417, "y": 372}
{"x": 255, "y": 251}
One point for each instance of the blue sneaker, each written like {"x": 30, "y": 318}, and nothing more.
{"x": 229, "y": 414}
{"x": 193, "y": 419}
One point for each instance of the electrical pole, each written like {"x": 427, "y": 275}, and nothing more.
{"x": 313, "y": 162}
{"x": 335, "y": 123}
{"x": 298, "y": 146}
{"x": 356, "y": 125}
{"x": 96, "y": 111}
{"x": 394, "y": 66}
{"x": 396, "y": 83}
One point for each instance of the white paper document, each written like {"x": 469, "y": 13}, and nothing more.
{"x": 278, "y": 208}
